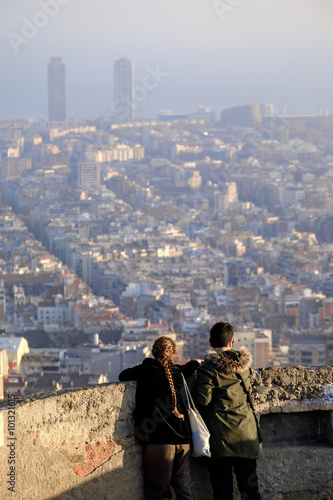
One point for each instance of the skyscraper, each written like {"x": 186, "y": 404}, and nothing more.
{"x": 123, "y": 90}
{"x": 56, "y": 89}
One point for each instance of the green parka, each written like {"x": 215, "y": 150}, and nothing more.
{"x": 224, "y": 405}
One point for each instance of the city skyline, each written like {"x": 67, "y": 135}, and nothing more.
{"x": 250, "y": 52}
{"x": 176, "y": 224}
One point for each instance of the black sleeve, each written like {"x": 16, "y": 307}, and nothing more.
{"x": 189, "y": 368}
{"x": 130, "y": 374}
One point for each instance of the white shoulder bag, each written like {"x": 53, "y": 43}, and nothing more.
{"x": 200, "y": 433}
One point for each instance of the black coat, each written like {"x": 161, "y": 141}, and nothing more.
{"x": 154, "y": 420}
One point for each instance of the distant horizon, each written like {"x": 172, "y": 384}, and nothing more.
{"x": 285, "y": 100}
{"x": 185, "y": 53}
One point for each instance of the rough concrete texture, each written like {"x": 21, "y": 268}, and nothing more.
{"x": 79, "y": 444}
{"x": 281, "y": 387}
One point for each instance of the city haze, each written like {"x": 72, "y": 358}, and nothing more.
{"x": 219, "y": 54}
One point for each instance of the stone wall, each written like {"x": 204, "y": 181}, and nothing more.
{"x": 79, "y": 443}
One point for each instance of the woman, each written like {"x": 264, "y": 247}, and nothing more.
{"x": 161, "y": 422}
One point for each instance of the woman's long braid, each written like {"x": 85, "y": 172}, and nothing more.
{"x": 163, "y": 350}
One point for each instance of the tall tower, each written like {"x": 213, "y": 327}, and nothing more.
{"x": 56, "y": 89}
{"x": 123, "y": 90}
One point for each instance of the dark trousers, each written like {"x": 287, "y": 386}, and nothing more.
{"x": 221, "y": 477}
{"x": 165, "y": 465}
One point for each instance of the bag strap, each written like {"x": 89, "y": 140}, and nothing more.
{"x": 189, "y": 399}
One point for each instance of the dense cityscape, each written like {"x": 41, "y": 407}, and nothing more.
{"x": 117, "y": 230}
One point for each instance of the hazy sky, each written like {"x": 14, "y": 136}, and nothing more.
{"x": 216, "y": 53}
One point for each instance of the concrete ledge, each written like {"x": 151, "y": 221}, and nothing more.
{"x": 79, "y": 444}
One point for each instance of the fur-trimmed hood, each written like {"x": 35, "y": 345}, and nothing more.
{"x": 230, "y": 361}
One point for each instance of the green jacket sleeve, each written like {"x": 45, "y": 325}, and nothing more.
{"x": 203, "y": 390}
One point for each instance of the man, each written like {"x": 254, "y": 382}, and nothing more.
{"x": 221, "y": 392}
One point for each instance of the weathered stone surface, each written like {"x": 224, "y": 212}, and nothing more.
{"x": 79, "y": 444}
{"x": 273, "y": 386}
